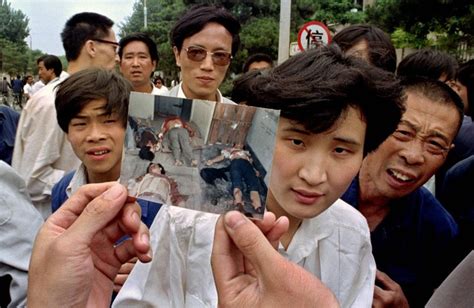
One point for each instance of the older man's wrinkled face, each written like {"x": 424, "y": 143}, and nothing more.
{"x": 414, "y": 152}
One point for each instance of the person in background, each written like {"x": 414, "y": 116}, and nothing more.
{"x": 42, "y": 154}
{"x": 412, "y": 235}
{"x": 204, "y": 40}
{"x": 258, "y": 61}
{"x": 160, "y": 85}
{"x": 28, "y": 87}
{"x": 369, "y": 43}
{"x": 49, "y": 68}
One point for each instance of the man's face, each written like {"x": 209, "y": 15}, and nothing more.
{"x": 311, "y": 171}
{"x": 413, "y": 153}
{"x": 97, "y": 139}
{"x": 202, "y": 78}
{"x": 45, "y": 74}
{"x": 136, "y": 64}
{"x": 29, "y": 80}
{"x": 106, "y": 55}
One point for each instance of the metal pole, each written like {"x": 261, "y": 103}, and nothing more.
{"x": 144, "y": 15}
{"x": 284, "y": 37}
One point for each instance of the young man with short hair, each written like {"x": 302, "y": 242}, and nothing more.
{"x": 42, "y": 154}
{"x": 330, "y": 118}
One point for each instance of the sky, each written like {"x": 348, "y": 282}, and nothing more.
{"x": 47, "y": 18}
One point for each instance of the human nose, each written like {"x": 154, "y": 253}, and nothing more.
{"x": 413, "y": 152}
{"x": 207, "y": 63}
{"x": 313, "y": 170}
{"x": 95, "y": 133}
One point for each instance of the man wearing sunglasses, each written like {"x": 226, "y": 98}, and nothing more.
{"x": 204, "y": 40}
{"x": 42, "y": 153}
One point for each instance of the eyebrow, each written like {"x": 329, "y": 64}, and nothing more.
{"x": 307, "y": 133}
{"x": 102, "y": 114}
{"x": 431, "y": 133}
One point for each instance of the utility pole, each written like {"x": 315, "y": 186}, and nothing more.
{"x": 284, "y": 37}
{"x": 144, "y": 15}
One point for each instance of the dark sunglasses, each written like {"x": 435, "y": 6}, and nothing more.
{"x": 198, "y": 54}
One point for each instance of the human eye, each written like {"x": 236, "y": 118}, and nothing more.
{"x": 77, "y": 123}
{"x": 342, "y": 150}
{"x": 296, "y": 143}
{"x": 435, "y": 147}
{"x": 403, "y": 134}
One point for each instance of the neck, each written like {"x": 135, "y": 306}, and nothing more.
{"x": 294, "y": 222}
{"x": 212, "y": 97}
{"x": 372, "y": 204}
{"x": 110, "y": 176}
{"x": 144, "y": 88}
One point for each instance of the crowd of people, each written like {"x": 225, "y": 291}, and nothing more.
{"x": 368, "y": 198}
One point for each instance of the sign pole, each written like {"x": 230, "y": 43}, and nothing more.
{"x": 284, "y": 37}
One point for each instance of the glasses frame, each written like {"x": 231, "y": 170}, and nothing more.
{"x": 115, "y": 44}
{"x": 212, "y": 54}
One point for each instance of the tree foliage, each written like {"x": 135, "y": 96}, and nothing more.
{"x": 443, "y": 23}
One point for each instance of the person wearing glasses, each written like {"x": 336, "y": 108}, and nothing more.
{"x": 42, "y": 155}
{"x": 204, "y": 40}
{"x": 411, "y": 233}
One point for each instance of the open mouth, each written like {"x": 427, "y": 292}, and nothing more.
{"x": 400, "y": 176}
{"x": 98, "y": 153}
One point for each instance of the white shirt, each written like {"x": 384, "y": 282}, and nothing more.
{"x": 334, "y": 246}
{"x": 19, "y": 224}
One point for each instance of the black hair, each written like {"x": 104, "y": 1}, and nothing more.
{"x": 240, "y": 90}
{"x": 40, "y": 59}
{"x": 163, "y": 171}
{"x": 380, "y": 49}
{"x": 159, "y": 78}
{"x": 465, "y": 76}
{"x": 195, "y": 19}
{"x": 52, "y": 62}
{"x": 258, "y": 57}
{"x": 436, "y": 91}
{"x": 83, "y": 27}
{"x": 428, "y": 63}
{"x": 141, "y": 37}
{"x": 315, "y": 88}
{"x": 74, "y": 93}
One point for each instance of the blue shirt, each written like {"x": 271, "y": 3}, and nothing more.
{"x": 412, "y": 243}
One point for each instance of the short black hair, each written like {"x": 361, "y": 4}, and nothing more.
{"x": 436, "y": 91}
{"x": 316, "y": 87}
{"x": 141, "y": 37}
{"x": 74, "y": 93}
{"x": 257, "y": 57}
{"x": 428, "y": 63}
{"x": 465, "y": 76}
{"x": 380, "y": 48}
{"x": 195, "y": 19}
{"x": 82, "y": 27}
{"x": 52, "y": 62}
{"x": 40, "y": 59}
{"x": 159, "y": 78}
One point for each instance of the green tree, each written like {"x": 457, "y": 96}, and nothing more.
{"x": 452, "y": 20}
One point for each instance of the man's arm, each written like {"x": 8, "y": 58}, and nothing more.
{"x": 249, "y": 272}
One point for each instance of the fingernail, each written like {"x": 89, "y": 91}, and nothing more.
{"x": 145, "y": 239}
{"x": 113, "y": 192}
{"x": 233, "y": 219}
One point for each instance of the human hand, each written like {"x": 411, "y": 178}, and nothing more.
{"x": 75, "y": 259}
{"x": 249, "y": 272}
{"x": 123, "y": 274}
{"x": 388, "y": 293}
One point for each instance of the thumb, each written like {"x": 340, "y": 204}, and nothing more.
{"x": 250, "y": 240}
{"x": 99, "y": 212}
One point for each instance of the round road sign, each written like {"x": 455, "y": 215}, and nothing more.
{"x": 313, "y": 34}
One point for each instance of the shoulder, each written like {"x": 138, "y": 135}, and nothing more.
{"x": 345, "y": 216}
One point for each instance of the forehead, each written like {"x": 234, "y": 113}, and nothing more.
{"x": 94, "y": 106}
{"x": 429, "y": 116}
{"x": 212, "y": 36}
{"x": 135, "y": 47}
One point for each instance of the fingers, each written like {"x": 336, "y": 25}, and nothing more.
{"x": 384, "y": 281}
{"x": 98, "y": 213}
{"x": 248, "y": 238}
{"x": 73, "y": 207}
{"x": 123, "y": 274}
{"x": 272, "y": 229}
